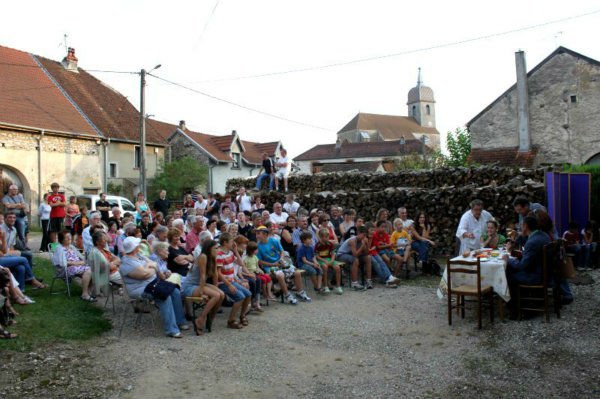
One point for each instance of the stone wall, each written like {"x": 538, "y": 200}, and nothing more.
{"x": 563, "y": 130}
{"x": 444, "y": 203}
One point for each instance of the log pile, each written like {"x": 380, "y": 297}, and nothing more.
{"x": 356, "y": 181}
{"x": 444, "y": 205}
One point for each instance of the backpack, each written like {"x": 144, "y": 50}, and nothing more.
{"x": 432, "y": 267}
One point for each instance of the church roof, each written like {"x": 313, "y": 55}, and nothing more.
{"x": 363, "y": 150}
{"x": 420, "y": 93}
{"x": 390, "y": 127}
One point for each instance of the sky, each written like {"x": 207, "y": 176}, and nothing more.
{"x": 202, "y": 44}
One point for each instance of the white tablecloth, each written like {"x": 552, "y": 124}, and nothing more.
{"x": 493, "y": 273}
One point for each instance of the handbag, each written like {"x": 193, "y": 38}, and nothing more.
{"x": 564, "y": 266}
{"x": 159, "y": 289}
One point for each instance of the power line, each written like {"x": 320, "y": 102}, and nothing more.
{"x": 269, "y": 114}
{"x": 400, "y": 53}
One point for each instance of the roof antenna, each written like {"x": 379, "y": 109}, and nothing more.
{"x": 64, "y": 42}
{"x": 557, "y": 37}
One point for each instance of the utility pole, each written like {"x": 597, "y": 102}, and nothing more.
{"x": 143, "y": 132}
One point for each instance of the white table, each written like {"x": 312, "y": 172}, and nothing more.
{"x": 493, "y": 273}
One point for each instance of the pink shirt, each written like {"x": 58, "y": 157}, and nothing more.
{"x": 191, "y": 241}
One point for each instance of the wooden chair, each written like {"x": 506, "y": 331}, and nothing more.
{"x": 197, "y": 302}
{"x": 478, "y": 291}
{"x": 551, "y": 252}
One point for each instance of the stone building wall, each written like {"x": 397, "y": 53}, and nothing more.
{"x": 76, "y": 164}
{"x": 565, "y": 131}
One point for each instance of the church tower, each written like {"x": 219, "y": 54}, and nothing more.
{"x": 421, "y": 104}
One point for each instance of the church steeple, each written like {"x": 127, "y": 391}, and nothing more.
{"x": 421, "y": 103}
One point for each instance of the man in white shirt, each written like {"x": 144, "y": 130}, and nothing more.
{"x": 472, "y": 224}
{"x": 290, "y": 205}
{"x": 243, "y": 200}
{"x": 283, "y": 170}
{"x": 278, "y": 217}
{"x": 200, "y": 203}
{"x": 406, "y": 222}
{"x": 88, "y": 244}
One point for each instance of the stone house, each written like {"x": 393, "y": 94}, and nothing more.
{"x": 225, "y": 156}
{"x": 549, "y": 116}
{"x": 44, "y": 136}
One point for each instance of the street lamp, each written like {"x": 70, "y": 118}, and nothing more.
{"x": 143, "y": 73}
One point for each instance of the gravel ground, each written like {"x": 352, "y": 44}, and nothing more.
{"x": 383, "y": 343}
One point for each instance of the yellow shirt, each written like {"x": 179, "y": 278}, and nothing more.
{"x": 400, "y": 239}
{"x": 251, "y": 263}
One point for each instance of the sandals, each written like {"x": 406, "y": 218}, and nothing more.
{"x": 234, "y": 324}
{"x": 243, "y": 320}
{"x": 198, "y": 330}
{"x": 88, "y": 298}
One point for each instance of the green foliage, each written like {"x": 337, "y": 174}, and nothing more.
{"x": 114, "y": 189}
{"x": 459, "y": 147}
{"x": 177, "y": 177}
{"x": 594, "y": 171}
{"x": 415, "y": 161}
{"x": 54, "y": 318}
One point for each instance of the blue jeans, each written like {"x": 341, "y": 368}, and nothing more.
{"x": 29, "y": 256}
{"x": 241, "y": 292}
{"x": 21, "y": 226}
{"x": 260, "y": 179}
{"x": 422, "y": 248}
{"x": 587, "y": 250}
{"x": 310, "y": 271}
{"x": 171, "y": 312}
{"x": 255, "y": 287}
{"x": 380, "y": 268}
{"x": 19, "y": 268}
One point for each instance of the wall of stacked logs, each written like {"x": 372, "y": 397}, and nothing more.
{"x": 444, "y": 202}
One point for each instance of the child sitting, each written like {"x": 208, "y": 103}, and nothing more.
{"x": 573, "y": 242}
{"x": 306, "y": 261}
{"x": 401, "y": 243}
{"x": 589, "y": 245}
{"x": 381, "y": 241}
{"x": 325, "y": 254}
{"x": 251, "y": 261}
{"x": 249, "y": 279}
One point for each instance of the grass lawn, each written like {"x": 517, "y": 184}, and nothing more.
{"x": 54, "y": 318}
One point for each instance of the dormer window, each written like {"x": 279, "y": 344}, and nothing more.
{"x": 236, "y": 160}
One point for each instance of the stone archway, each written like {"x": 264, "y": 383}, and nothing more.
{"x": 594, "y": 160}
{"x": 10, "y": 175}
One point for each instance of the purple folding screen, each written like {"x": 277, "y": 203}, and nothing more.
{"x": 568, "y": 196}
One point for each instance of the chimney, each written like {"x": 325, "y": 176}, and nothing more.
{"x": 233, "y": 132}
{"x": 522, "y": 103}
{"x": 70, "y": 61}
{"x": 182, "y": 125}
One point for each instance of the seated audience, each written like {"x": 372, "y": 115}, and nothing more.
{"x": 251, "y": 262}
{"x": 573, "y": 242}
{"x": 401, "y": 245}
{"x": 421, "y": 237}
{"x": 324, "y": 223}
{"x": 67, "y": 257}
{"x": 138, "y": 273}
{"x": 103, "y": 263}
{"x": 353, "y": 251}
{"x": 271, "y": 255}
{"x": 381, "y": 269}
{"x": 230, "y": 284}
{"x": 291, "y": 206}
{"x": 179, "y": 259}
{"x": 305, "y": 259}
{"x": 278, "y": 217}
{"x": 589, "y": 245}
{"x": 195, "y": 285}
{"x": 349, "y": 215}
{"x": 325, "y": 255}
{"x": 192, "y": 238}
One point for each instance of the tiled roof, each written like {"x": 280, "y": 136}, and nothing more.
{"x": 254, "y": 151}
{"x": 348, "y": 166}
{"x": 205, "y": 141}
{"x": 503, "y": 156}
{"x": 109, "y": 110}
{"x": 28, "y": 97}
{"x": 161, "y": 129}
{"x": 363, "y": 150}
{"x": 223, "y": 143}
{"x": 391, "y": 127}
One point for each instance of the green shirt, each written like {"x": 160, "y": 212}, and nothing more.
{"x": 501, "y": 240}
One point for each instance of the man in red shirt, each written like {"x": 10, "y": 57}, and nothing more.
{"x": 58, "y": 204}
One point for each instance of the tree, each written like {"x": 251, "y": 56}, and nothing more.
{"x": 459, "y": 147}
{"x": 177, "y": 177}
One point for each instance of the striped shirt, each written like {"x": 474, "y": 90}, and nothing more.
{"x": 226, "y": 262}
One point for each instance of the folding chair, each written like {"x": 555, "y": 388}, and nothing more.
{"x": 60, "y": 272}
{"x": 142, "y": 304}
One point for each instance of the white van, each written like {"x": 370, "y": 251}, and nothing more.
{"x": 89, "y": 201}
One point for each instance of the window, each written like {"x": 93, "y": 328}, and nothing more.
{"x": 414, "y": 110}
{"x": 428, "y": 110}
{"x": 364, "y": 136}
{"x": 127, "y": 206}
{"x": 236, "y": 160}
{"x": 137, "y": 157}
{"x": 112, "y": 169}
{"x": 573, "y": 98}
